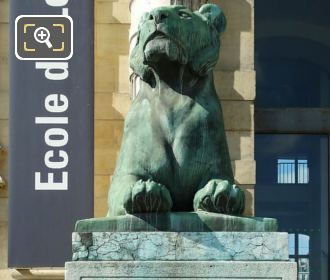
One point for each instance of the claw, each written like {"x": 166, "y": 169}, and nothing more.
{"x": 146, "y": 197}
{"x": 221, "y": 197}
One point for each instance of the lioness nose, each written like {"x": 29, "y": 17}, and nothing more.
{"x": 158, "y": 15}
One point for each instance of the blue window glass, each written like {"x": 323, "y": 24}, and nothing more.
{"x": 292, "y": 171}
{"x": 285, "y": 83}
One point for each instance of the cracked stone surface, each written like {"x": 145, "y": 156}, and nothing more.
{"x": 193, "y": 246}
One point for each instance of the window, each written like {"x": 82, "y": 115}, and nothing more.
{"x": 292, "y": 171}
{"x": 299, "y": 252}
{"x": 303, "y": 172}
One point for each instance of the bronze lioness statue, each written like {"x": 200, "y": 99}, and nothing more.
{"x": 174, "y": 155}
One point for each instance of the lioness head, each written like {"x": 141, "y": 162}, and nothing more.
{"x": 177, "y": 34}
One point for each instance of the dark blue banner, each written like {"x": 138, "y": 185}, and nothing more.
{"x": 51, "y": 127}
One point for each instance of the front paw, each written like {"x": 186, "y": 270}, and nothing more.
{"x": 147, "y": 197}
{"x": 221, "y": 197}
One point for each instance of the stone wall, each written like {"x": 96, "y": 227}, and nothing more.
{"x": 112, "y": 98}
{"x": 234, "y": 78}
{"x": 235, "y": 83}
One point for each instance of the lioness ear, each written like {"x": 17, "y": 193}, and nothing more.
{"x": 214, "y": 16}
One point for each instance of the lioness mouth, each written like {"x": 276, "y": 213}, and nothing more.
{"x": 157, "y": 35}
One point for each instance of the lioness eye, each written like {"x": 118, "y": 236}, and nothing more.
{"x": 184, "y": 15}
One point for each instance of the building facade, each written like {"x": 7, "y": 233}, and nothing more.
{"x": 291, "y": 123}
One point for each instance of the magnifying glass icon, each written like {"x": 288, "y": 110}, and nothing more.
{"x": 41, "y": 35}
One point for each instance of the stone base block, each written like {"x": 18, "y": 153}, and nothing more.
{"x": 180, "y": 246}
{"x": 220, "y": 270}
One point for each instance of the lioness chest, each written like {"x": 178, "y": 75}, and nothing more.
{"x": 178, "y": 126}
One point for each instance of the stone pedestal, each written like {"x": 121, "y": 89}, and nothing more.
{"x": 220, "y": 270}
{"x": 180, "y": 246}
{"x": 180, "y": 255}
{"x": 199, "y": 221}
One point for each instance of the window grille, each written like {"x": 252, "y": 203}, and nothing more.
{"x": 292, "y": 171}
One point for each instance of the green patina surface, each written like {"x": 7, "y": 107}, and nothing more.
{"x": 199, "y": 221}
{"x": 174, "y": 154}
